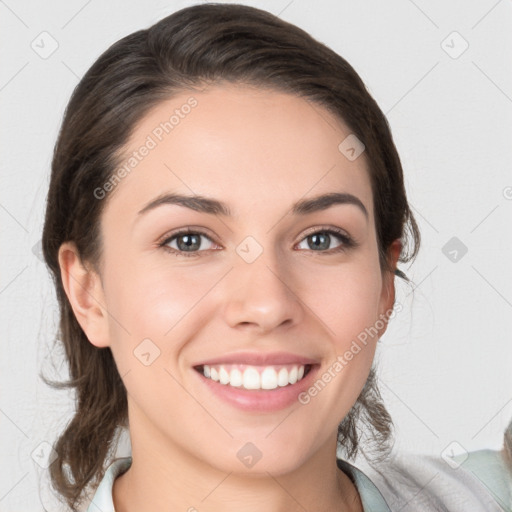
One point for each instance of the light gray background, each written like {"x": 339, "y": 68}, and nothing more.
{"x": 445, "y": 362}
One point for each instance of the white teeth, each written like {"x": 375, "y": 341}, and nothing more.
{"x": 251, "y": 379}
{"x": 214, "y": 374}
{"x": 282, "y": 377}
{"x": 223, "y": 376}
{"x": 236, "y": 378}
{"x": 269, "y": 379}
{"x": 254, "y": 377}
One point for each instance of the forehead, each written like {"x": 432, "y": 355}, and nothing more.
{"x": 241, "y": 145}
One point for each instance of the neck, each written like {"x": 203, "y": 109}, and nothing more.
{"x": 155, "y": 483}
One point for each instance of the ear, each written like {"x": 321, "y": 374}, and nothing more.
{"x": 387, "y": 299}
{"x": 84, "y": 290}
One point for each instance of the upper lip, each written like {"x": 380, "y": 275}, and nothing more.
{"x": 259, "y": 359}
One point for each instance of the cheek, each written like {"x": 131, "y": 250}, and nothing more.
{"x": 347, "y": 303}
{"x": 155, "y": 301}
{"x": 346, "y": 300}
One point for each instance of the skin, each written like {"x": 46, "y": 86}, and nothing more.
{"x": 259, "y": 152}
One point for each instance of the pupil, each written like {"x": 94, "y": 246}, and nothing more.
{"x": 320, "y": 241}
{"x": 189, "y": 242}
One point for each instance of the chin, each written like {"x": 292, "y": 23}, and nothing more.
{"x": 257, "y": 459}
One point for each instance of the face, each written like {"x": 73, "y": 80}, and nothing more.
{"x": 254, "y": 281}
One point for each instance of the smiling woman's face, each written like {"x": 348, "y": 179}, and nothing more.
{"x": 271, "y": 283}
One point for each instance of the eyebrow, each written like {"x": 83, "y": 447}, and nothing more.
{"x": 214, "y": 207}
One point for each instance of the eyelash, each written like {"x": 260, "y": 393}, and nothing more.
{"x": 347, "y": 241}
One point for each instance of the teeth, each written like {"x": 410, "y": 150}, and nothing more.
{"x": 223, "y": 375}
{"x": 254, "y": 377}
{"x": 236, "y": 378}
{"x": 282, "y": 377}
{"x": 268, "y": 379}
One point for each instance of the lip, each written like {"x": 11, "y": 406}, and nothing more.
{"x": 259, "y": 359}
{"x": 259, "y": 400}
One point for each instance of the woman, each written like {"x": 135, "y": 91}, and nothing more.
{"x": 224, "y": 222}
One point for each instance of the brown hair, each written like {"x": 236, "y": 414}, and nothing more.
{"x": 192, "y": 48}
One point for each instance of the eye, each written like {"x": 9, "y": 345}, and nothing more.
{"x": 321, "y": 240}
{"x": 192, "y": 243}
{"x": 187, "y": 243}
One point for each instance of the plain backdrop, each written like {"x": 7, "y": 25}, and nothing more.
{"x": 440, "y": 71}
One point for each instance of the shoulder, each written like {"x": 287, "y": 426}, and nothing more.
{"x": 479, "y": 481}
{"x": 102, "y": 499}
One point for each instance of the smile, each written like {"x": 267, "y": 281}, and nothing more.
{"x": 255, "y": 377}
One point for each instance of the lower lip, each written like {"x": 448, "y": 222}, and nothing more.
{"x": 260, "y": 400}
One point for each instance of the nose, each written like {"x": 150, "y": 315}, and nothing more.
{"x": 261, "y": 297}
